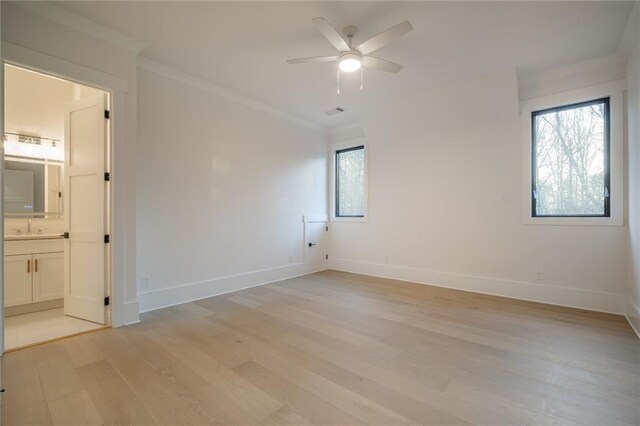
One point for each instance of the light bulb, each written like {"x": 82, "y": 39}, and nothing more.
{"x": 350, "y": 63}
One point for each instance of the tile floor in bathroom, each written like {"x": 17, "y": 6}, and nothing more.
{"x": 27, "y": 329}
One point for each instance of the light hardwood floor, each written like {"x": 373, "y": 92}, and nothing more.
{"x": 336, "y": 348}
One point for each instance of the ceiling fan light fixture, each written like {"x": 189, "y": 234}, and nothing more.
{"x": 350, "y": 62}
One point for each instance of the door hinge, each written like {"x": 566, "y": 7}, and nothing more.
{"x": 107, "y": 239}
{"x": 107, "y": 176}
{"x": 106, "y": 301}
{"x": 326, "y": 256}
{"x": 107, "y": 115}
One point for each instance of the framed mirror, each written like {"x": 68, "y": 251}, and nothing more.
{"x": 33, "y": 187}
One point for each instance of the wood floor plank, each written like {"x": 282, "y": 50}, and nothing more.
{"x": 114, "y": 400}
{"x": 336, "y": 348}
{"x": 23, "y": 401}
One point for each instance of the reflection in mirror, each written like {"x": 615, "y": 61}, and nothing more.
{"x": 32, "y": 187}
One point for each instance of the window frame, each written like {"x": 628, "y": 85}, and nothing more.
{"x": 345, "y": 146}
{"x": 614, "y": 90}
{"x": 607, "y": 156}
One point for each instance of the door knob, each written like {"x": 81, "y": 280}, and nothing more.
{"x": 312, "y": 244}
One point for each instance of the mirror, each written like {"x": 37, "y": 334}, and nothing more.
{"x": 32, "y": 187}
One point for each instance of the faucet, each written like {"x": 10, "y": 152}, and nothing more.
{"x": 29, "y": 226}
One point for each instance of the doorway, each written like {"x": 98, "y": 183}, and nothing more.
{"x": 56, "y": 207}
{"x": 315, "y": 241}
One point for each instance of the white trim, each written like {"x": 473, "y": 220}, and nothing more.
{"x": 609, "y": 68}
{"x": 309, "y": 218}
{"x": 185, "y": 293}
{"x": 633, "y": 316}
{"x": 614, "y": 91}
{"x": 198, "y": 83}
{"x": 50, "y": 65}
{"x": 1, "y": 204}
{"x": 82, "y": 24}
{"x": 117, "y": 87}
{"x": 131, "y": 313}
{"x": 554, "y": 295}
{"x": 362, "y": 140}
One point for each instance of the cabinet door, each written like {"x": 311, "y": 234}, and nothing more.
{"x": 17, "y": 279}
{"x": 48, "y": 276}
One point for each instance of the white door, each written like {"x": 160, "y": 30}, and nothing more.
{"x": 315, "y": 237}
{"x": 84, "y": 205}
{"x": 48, "y": 276}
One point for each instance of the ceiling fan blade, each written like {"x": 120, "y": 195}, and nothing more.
{"x": 331, "y": 34}
{"x": 385, "y": 37}
{"x": 381, "y": 64}
{"x": 313, "y": 59}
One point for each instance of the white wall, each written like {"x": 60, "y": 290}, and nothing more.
{"x": 222, "y": 190}
{"x": 633, "y": 137}
{"x": 35, "y": 105}
{"x": 52, "y": 36}
{"x": 445, "y": 205}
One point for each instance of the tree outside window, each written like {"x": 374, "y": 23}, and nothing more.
{"x": 570, "y": 160}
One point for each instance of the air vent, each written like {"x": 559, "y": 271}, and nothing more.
{"x": 334, "y": 111}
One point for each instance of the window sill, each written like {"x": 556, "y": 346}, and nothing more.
{"x": 349, "y": 219}
{"x": 573, "y": 221}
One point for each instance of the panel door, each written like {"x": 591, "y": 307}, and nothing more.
{"x": 84, "y": 205}
{"x": 315, "y": 237}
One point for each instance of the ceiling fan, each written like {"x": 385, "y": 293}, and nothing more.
{"x": 352, "y": 58}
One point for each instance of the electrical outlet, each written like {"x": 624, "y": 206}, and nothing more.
{"x": 539, "y": 275}
{"x": 290, "y": 259}
{"x": 145, "y": 282}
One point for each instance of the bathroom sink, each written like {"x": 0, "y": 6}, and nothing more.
{"x": 22, "y": 237}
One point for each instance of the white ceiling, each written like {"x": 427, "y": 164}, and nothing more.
{"x": 243, "y": 45}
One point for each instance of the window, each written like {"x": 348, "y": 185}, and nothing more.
{"x": 570, "y": 164}
{"x": 350, "y": 182}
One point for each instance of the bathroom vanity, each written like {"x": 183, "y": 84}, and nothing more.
{"x": 33, "y": 272}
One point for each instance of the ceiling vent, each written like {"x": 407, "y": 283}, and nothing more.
{"x": 334, "y": 111}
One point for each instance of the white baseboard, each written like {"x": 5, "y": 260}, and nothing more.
{"x": 554, "y": 295}
{"x": 633, "y": 316}
{"x": 165, "y": 297}
{"x": 131, "y": 314}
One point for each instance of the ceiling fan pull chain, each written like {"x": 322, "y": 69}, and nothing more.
{"x": 361, "y": 78}
{"x": 338, "y": 81}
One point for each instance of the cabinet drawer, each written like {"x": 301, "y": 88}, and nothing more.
{"x": 33, "y": 246}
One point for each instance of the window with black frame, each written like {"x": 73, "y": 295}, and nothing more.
{"x": 570, "y": 164}
{"x": 349, "y": 181}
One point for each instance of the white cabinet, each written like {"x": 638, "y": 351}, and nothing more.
{"x": 48, "y": 276}
{"x": 33, "y": 272}
{"x": 17, "y": 280}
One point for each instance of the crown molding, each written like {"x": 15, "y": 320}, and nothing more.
{"x": 82, "y": 24}
{"x": 198, "y": 83}
{"x": 588, "y": 73}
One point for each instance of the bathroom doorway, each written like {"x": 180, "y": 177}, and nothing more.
{"x": 56, "y": 204}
